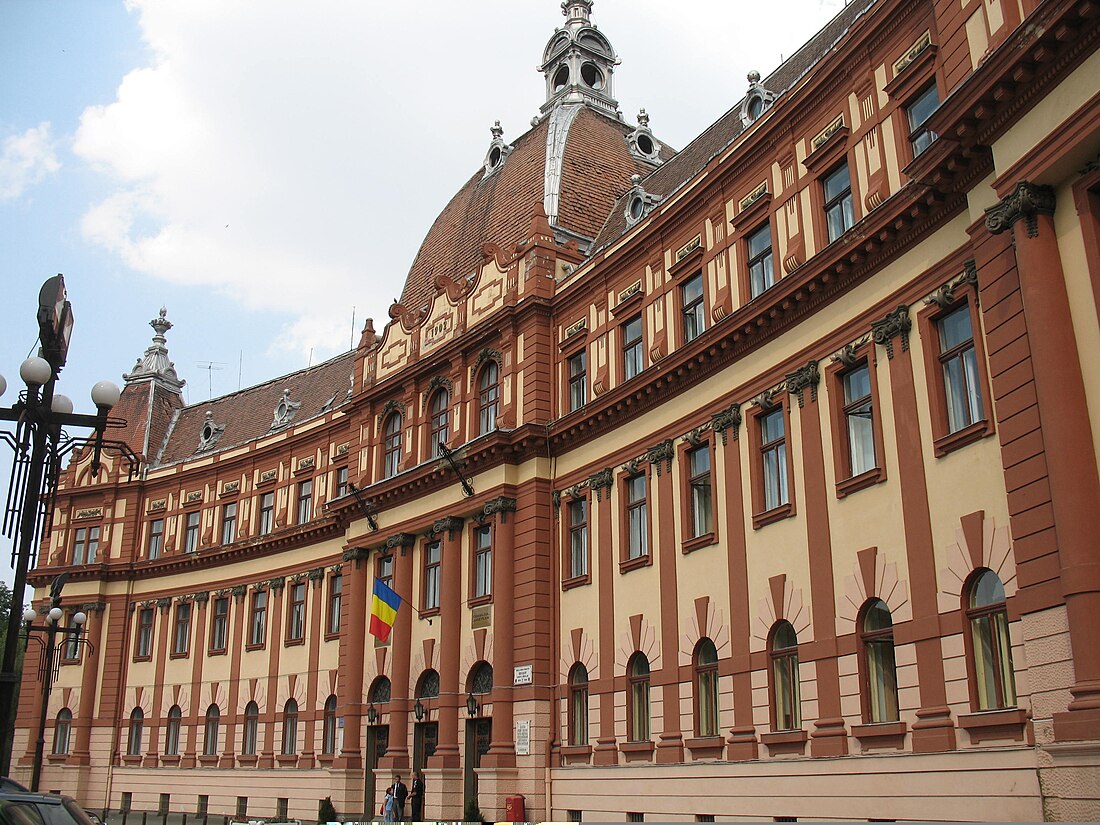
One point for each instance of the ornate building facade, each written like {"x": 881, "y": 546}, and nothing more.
{"x": 766, "y": 487}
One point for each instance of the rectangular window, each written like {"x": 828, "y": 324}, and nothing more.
{"x": 761, "y": 264}
{"x": 632, "y": 347}
{"x": 181, "y": 635}
{"x": 702, "y": 515}
{"x": 85, "y": 545}
{"x": 637, "y": 518}
{"x": 127, "y": 801}
{"x": 433, "y": 552}
{"x": 578, "y": 381}
{"x": 773, "y": 459}
{"x": 384, "y": 570}
{"x": 305, "y": 500}
{"x": 143, "y": 646}
{"x": 191, "y": 532}
{"x": 296, "y": 616}
{"x": 578, "y": 538}
{"x": 483, "y": 561}
{"x": 917, "y": 113}
{"x": 164, "y": 804}
{"x": 267, "y": 513}
{"x": 219, "y": 625}
{"x": 242, "y": 806}
{"x": 70, "y": 649}
{"x": 257, "y": 623}
{"x": 341, "y": 487}
{"x": 959, "y": 365}
{"x": 839, "y": 216}
{"x": 156, "y": 538}
{"x": 335, "y": 590}
{"x": 282, "y": 806}
{"x": 857, "y": 419}
{"x": 229, "y": 522}
{"x": 694, "y": 312}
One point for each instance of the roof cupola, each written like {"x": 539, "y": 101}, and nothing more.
{"x": 578, "y": 62}
{"x": 155, "y": 364}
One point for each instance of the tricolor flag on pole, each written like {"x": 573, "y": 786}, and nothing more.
{"x": 383, "y": 610}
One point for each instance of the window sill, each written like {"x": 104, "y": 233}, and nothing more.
{"x": 479, "y": 601}
{"x": 637, "y": 751}
{"x": 576, "y": 581}
{"x": 1006, "y": 723}
{"x": 182, "y": 655}
{"x": 131, "y": 759}
{"x": 57, "y": 758}
{"x": 142, "y": 659}
{"x": 576, "y": 754}
{"x": 254, "y": 646}
{"x": 248, "y": 761}
{"x": 287, "y": 760}
{"x": 706, "y": 747}
{"x": 705, "y": 540}
{"x": 851, "y": 485}
{"x": 332, "y": 637}
{"x": 771, "y": 516}
{"x": 208, "y": 761}
{"x": 880, "y": 734}
{"x": 785, "y": 741}
{"x": 960, "y": 438}
{"x": 326, "y": 759}
{"x": 170, "y": 759}
{"x": 626, "y": 565}
{"x": 220, "y": 652}
{"x": 294, "y": 642}
{"x": 424, "y": 614}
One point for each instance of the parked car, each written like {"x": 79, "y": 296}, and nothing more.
{"x": 9, "y": 784}
{"x": 26, "y": 808}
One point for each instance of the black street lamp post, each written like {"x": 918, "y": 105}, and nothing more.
{"x": 39, "y": 444}
{"x": 70, "y": 636}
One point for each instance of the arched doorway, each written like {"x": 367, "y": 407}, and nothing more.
{"x": 378, "y": 740}
{"x": 479, "y": 728}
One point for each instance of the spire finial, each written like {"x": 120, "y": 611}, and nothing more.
{"x": 155, "y": 364}
{"x": 577, "y": 10}
{"x": 497, "y": 130}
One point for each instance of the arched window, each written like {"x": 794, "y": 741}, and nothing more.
{"x": 392, "y": 458}
{"x": 427, "y": 687}
{"x": 578, "y": 705}
{"x": 133, "y": 738}
{"x": 328, "y": 729}
{"x": 379, "y": 691}
{"x": 488, "y": 386}
{"x": 251, "y": 729}
{"x": 637, "y": 706}
{"x": 62, "y": 728}
{"x": 290, "y": 727}
{"x": 880, "y": 676}
{"x": 991, "y": 650}
{"x": 438, "y": 427}
{"x": 783, "y": 650}
{"x": 481, "y": 679}
{"x": 172, "y": 731}
{"x": 210, "y": 739}
{"x": 706, "y": 688}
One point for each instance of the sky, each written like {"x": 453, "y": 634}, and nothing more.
{"x": 267, "y": 169}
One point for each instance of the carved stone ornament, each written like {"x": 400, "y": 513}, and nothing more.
{"x": 284, "y": 411}
{"x": 439, "y": 382}
{"x": 202, "y": 597}
{"x": 662, "y": 453}
{"x": 448, "y": 524}
{"x": 1026, "y": 201}
{"x": 488, "y": 354}
{"x": 402, "y": 540}
{"x": 895, "y": 324}
{"x": 802, "y": 379}
{"x": 393, "y": 405}
{"x": 231, "y": 487}
{"x": 239, "y": 591}
{"x": 164, "y": 604}
{"x": 93, "y": 607}
{"x": 501, "y": 505}
{"x": 945, "y": 297}
{"x": 695, "y": 437}
{"x": 308, "y": 463}
{"x": 317, "y": 574}
{"x": 356, "y": 554}
{"x": 846, "y": 356}
{"x": 603, "y": 480}
{"x": 158, "y": 504}
{"x": 726, "y": 420}
{"x": 633, "y": 467}
{"x": 766, "y": 400}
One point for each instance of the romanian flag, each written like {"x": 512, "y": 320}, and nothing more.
{"x": 383, "y": 610}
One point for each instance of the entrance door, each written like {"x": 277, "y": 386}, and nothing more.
{"x": 378, "y": 740}
{"x": 425, "y": 738}
{"x": 478, "y": 734}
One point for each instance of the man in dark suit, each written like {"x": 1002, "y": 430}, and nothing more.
{"x": 417, "y": 797}
{"x": 400, "y": 794}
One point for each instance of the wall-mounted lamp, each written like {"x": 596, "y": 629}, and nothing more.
{"x": 372, "y": 714}
{"x": 419, "y": 711}
{"x": 472, "y": 707}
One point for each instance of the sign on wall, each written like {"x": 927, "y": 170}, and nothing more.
{"x": 523, "y": 737}
{"x": 523, "y": 674}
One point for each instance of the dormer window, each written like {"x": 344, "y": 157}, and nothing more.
{"x": 638, "y": 201}
{"x": 641, "y": 142}
{"x": 498, "y": 150}
{"x": 757, "y": 100}
{"x": 210, "y": 433}
{"x": 284, "y": 411}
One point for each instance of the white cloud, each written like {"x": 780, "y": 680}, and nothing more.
{"x": 25, "y": 160}
{"x": 291, "y": 156}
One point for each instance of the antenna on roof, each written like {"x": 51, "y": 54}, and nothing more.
{"x": 210, "y": 366}
{"x": 351, "y": 340}
{"x": 240, "y": 370}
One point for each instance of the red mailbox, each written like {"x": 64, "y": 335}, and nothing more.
{"x": 514, "y": 809}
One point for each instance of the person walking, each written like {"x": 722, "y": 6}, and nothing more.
{"x": 416, "y": 798}
{"x": 400, "y": 793}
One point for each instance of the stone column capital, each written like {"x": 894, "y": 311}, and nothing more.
{"x": 1026, "y": 201}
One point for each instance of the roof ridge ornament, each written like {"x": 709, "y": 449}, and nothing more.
{"x": 155, "y": 365}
